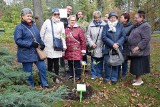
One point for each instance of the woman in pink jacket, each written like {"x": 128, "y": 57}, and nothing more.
{"x": 76, "y": 47}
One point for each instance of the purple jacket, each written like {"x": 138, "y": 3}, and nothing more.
{"x": 140, "y": 36}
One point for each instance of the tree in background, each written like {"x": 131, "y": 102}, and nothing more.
{"x": 38, "y": 13}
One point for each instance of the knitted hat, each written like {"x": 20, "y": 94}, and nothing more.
{"x": 26, "y": 11}
{"x": 55, "y": 10}
{"x": 112, "y": 14}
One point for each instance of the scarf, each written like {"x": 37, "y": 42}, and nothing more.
{"x": 27, "y": 23}
{"x": 55, "y": 19}
{"x": 138, "y": 24}
{"x": 97, "y": 23}
{"x": 112, "y": 26}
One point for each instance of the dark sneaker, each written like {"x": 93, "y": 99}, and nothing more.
{"x": 113, "y": 82}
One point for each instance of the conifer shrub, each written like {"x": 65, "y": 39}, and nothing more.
{"x": 14, "y": 90}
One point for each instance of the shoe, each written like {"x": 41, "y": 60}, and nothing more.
{"x": 123, "y": 78}
{"x": 93, "y": 77}
{"x": 70, "y": 77}
{"x": 78, "y": 78}
{"x": 113, "y": 82}
{"x": 57, "y": 81}
{"x": 45, "y": 87}
{"x": 105, "y": 81}
{"x": 138, "y": 83}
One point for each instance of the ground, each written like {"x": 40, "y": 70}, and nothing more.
{"x": 123, "y": 94}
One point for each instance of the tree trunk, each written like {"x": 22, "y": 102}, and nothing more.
{"x": 100, "y": 5}
{"x": 38, "y": 15}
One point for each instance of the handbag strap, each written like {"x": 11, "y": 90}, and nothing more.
{"x": 74, "y": 37}
{"x": 52, "y": 29}
{"x": 98, "y": 35}
{"x": 33, "y": 34}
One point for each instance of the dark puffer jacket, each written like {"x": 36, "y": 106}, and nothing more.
{"x": 109, "y": 38}
{"x": 24, "y": 38}
{"x": 127, "y": 28}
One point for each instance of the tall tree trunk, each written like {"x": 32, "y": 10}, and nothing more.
{"x": 37, "y": 5}
{"x": 100, "y": 5}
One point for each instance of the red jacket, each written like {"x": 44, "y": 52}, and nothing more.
{"x": 75, "y": 41}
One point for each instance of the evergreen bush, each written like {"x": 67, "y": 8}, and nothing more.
{"x": 14, "y": 91}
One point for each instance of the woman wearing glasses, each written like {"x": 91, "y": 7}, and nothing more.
{"x": 47, "y": 32}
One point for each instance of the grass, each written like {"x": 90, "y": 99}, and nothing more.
{"x": 123, "y": 94}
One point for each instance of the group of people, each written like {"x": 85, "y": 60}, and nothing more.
{"x": 78, "y": 37}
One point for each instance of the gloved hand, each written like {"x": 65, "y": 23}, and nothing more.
{"x": 35, "y": 44}
{"x": 42, "y": 47}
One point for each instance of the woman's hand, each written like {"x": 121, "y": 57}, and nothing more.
{"x": 94, "y": 45}
{"x": 83, "y": 52}
{"x": 115, "y": 46}
{"x": 64, "y": 49}
{"x": 136, "y": 49}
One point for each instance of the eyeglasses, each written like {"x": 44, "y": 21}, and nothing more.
{"x": 56, "y": 14}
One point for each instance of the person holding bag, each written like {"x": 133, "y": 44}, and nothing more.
{"x": 139, "y": 46}
{"x": 113, "y": 35}
{"x": 76, "y": 47}
{"x": 94, "y": 40}
{"x": 53, "y": 35}
{"x": 27, "y": 38}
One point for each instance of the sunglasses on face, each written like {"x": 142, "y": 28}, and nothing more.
{"x": 56, "y": 14}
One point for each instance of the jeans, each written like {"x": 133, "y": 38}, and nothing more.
{"x": 124, "y": 69}
{"x": 111, "y": 72}
{"x": 74, "y": 65}
{"x": 96, "y": 67}
{"x": 27, "y": 67}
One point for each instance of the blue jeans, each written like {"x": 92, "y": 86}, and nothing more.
{"x": 96, "y": 67}
{"x": 74, "y": 64}
{"x": 27, "y": 67}
{"x": 111, "y": 72}
{"x": 124, "y": 69}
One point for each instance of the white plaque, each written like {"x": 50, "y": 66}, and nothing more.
{"x": 63, "y": 13}
{"x": 81, "y": 87}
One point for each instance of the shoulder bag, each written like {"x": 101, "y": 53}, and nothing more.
{"x": 90, "y": 50}
{"x": 136, "y": 54}
{"x": 57, "y": 43}
{"x": 42, "y": 55}
{"x": 115, "y": 59}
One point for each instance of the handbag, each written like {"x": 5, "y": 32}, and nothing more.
{"x": 57, "y": 43}
{"x": 90, "y": 50}
{"x": 42, "y": 55}
{"x": 136, "y": 54}
{"x": 115, "y": 59}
